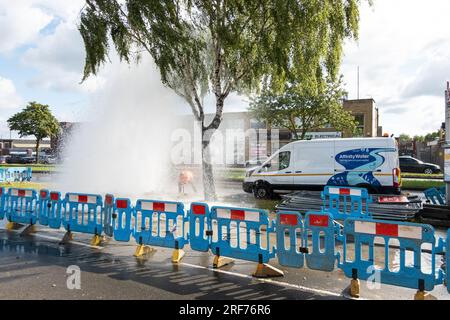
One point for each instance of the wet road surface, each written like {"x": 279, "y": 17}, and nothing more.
{"x": 34, "y": 267}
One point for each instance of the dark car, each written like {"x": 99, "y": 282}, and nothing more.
{"x": 410, "y": 164}
{"x": 20, "y": 159}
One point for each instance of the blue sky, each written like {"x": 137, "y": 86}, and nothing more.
{"x": 403, "y": 54}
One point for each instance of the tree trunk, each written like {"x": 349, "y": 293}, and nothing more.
{"x": 38, "y": 142}
{"x": 209, "y": 188}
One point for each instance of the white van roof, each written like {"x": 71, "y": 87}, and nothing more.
{"x": 350, "y": 140}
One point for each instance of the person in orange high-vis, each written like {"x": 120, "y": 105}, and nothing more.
{"x": 185, "y": 177}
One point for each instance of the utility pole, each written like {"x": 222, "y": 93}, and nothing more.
{"x": 358, "y": 84}
{"x": 447, "y": 144}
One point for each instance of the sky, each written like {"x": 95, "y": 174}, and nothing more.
{"x": 403, "y": 53}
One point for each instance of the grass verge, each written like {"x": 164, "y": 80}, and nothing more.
{"x": 421, "y": 184}
{"x": 34, "y": 167}
{"x": 422, "y": 176}
{"x": 23, "y": 185}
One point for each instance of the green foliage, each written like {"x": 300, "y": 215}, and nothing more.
{"x": 300, "y": 109}
{"x": 35, "y": 120}
{"x": 222, "y": 46}
{"x": 404, "y": 138}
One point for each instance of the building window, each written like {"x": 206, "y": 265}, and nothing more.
{"x": 255, "y": 124}
{"x": 359, "y": 118}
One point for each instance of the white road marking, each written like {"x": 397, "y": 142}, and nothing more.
{"x": 59, "y": 239}
{"x": 283, "y": 284}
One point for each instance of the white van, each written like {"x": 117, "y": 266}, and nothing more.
{"x": 370, "y": 163}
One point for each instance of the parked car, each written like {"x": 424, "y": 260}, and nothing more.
{"x": 255, "y": 162}
{"x": 310, "y": 165}
{"x": 410, "y": 164}
{"x": 47, "y": 159}
{"x": 20, "y": 159}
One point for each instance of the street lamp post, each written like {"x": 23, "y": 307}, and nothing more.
{"x": 447, "y": 144}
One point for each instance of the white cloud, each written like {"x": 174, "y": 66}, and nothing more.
{"x": 59, "y": 57}
{"x": 20, "y": 23}
{"x": 10, "y": 103}
{"x": 9, "y": 98}
{"x": 404, "y": 60}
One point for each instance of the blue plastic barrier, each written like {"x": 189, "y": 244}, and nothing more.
{"x": 447, "y": 261}
{"x": 249, "y": 249}
{"x": 200, "y": 229}
{"x": 17, "y": 174}
{"x": 108, "y": 215}
{"x": 122, "y": 220}
{"x": 21, "y": 206}
{"x": 83, "y": 213}
{"x": 434, "y": 196}
{"x": 410, "y": 236}
{"x": 49, "y": 209}
{"x": 2, "y": 203}
{"x": 289, "y": 227}
{"x": 42, "y": 209}
{"x": 342, "y": 203}
{"x": 322, "y": 255}
{"x": 157, "y": 223}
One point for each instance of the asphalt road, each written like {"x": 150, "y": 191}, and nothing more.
{"x": 35, "y": 267}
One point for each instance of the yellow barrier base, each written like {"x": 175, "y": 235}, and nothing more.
{"x": 28, "y": 230}
{"x": 264, "y": 270}
{"x": 68, "y": 236}
{"x": 421, "y": 295}
{"x": 13, "y": 226}
{"x": 96, "y": 240}
{"x": 177, "y": 255}
{"x": 219, "y": 261}
{"x": 142, "y": 250}
{"x": 354, "y": 288}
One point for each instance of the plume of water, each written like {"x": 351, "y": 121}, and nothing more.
{"x": 124, "y": 146}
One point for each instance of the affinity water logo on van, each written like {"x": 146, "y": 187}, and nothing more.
{"x": 359, "y": 165}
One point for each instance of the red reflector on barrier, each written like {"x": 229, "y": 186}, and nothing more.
{"x": 344, "y": 192}
{"x": 159, "y": 206}
{"x": 198, "y": 209}
{"x": 289, "y": 219}
{"x": 121, "y": 204}
{"x": 108, "y": 199}
{"x": 54, "y": 196}
{"x": 1, "y": 191}
{"x": 318, "y": 221}
{"x": 21, "y": 193}
{"x": 384, "y": 229}
{"x": 43, "y": 194}
{"x": 83, "y": 199}
{"x": 237, "y": 215}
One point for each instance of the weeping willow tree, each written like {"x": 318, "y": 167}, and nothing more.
{"x": 221, "y": 46}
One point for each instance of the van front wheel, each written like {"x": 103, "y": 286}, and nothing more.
{"x": 262, "y": 192}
